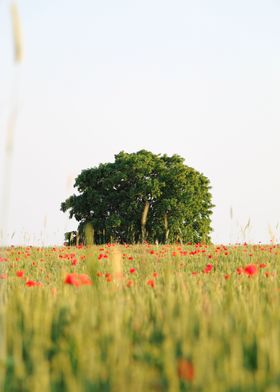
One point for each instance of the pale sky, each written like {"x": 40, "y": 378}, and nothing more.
{"x": 197, "y": 78}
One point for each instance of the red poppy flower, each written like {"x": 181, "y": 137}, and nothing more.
{"x": 75, "y": 279}
{"x": 208, "y": 268}
{"x": 185, "y": 370}
{"x": 108, "y": 277}
{"x": 32, "y": 283}
{"x": 129, "y": 283}
{"x": 72, "y": 279}
{"x": 250, "y": 269}
{"x": 85, "y": 280}
{"x": 151, "y": 283}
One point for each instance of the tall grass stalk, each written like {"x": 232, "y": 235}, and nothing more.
{"x": 7, "y": 174}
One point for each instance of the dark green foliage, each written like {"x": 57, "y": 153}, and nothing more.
{"x": 142, "y": 197}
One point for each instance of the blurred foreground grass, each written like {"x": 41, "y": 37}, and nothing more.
{"x": 166, "y": 318}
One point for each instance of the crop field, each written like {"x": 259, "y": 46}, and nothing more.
{"x": 140, "y": 318}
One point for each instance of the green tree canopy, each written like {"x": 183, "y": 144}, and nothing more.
{"x": 142, "y": 197}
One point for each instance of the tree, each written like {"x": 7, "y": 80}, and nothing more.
{"x": 142, "y": 197}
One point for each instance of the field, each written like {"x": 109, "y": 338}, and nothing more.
{"x": 140, "y": 318}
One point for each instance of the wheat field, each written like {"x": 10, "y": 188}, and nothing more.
{"x": 140, "y": 318}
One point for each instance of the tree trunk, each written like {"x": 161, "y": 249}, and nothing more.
{"x": 144, "y": 220}
{"x": 166, "y": 230}
{"x": 89, "y": 234}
